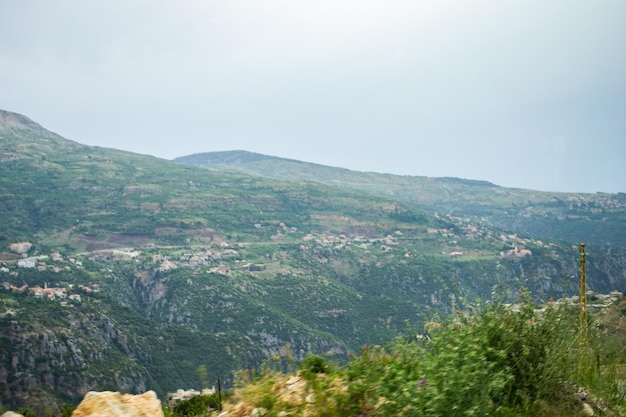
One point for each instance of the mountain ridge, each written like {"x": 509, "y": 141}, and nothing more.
{"x": 226, "y": 159}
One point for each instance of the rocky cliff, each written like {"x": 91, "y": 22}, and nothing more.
{"x": 68, "y": 354}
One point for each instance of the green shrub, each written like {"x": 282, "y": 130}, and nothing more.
{"x": 493, "y": 361}
{"x": 67, "y": 410}
{"x": 26, "y": 412}
{"x": 313, "y": 364}
{"x": 200, "y": 405}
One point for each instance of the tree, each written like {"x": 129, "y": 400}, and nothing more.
{"x": 66, "y": 411}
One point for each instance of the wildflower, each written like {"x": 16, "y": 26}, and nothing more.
{"x": 421, "y": 383}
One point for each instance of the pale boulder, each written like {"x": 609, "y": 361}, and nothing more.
{"x": 114, "y": 404}
{"x": 588, "y": 410}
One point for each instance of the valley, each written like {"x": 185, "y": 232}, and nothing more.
{"x": 128, "y": 272}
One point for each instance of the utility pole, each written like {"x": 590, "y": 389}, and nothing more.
{"x": 583, "y": 329}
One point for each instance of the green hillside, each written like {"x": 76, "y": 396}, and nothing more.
{"x": 138, "y": 271}
{"x": 573, "y": 217}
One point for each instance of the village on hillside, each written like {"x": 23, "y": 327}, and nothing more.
{"x": 443, "y": 241}
{"x": 224, "y": 258}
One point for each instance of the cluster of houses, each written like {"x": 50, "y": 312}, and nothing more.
{"x": 174, "y": 398}
{"x": 470, "y": 230}
{"x": 197, "y": 260}
{"x": 70, "y": 292}
{"x": 38, "y": 262}
{"x": 515, "y": 253}
{"x": 595, "y": 203}
{"x": 595, "y": 301}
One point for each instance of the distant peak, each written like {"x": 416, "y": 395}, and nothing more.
{"x": 11, "y": 121}
{"x": 20, "y": 137}
{"x": 225, "y": 157}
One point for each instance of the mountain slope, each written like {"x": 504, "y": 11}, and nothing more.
{"x": 574, "y": 217}
{"x": 178, "y": 267}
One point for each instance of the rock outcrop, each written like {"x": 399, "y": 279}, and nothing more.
{"x": 114, "y": 404}
{"x": 81, "y": 352}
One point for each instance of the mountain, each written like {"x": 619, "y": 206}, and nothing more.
{"x": 569, "y": 217}
{"x": 125, "y": 271}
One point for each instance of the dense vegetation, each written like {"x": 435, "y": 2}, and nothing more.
{"x": 493, "y": 360}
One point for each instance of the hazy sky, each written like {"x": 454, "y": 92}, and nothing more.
{"x": 521, "y": 93}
